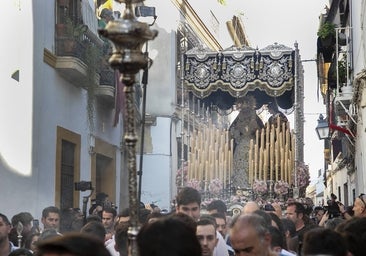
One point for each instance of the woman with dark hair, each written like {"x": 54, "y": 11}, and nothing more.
{"x": 31, "y": 241}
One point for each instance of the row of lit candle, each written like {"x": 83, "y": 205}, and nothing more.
{"x": 210, "y": 155}
{"x": 272, "y": 155}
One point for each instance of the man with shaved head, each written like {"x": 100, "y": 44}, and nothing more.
{"x": 250, "y": 207}
{"x": 250, "y": 235}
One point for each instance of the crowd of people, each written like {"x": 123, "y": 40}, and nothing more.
{"x": 188, "y": 230}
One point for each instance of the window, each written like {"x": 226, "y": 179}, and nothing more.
{"x": 67, "y": 174}
{"x": 345, "y": 189}
{"x": 68, "y": 9}
{"x": 67, "y": 168}
{"x": 103, "y": 169}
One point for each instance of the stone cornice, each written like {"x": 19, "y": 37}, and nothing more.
{"x": 197, "y": 24}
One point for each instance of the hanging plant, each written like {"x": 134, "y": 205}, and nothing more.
{"x": 326, "y": 40}
{"x": 92, "y": 59}
{"x": 342, "y": 70}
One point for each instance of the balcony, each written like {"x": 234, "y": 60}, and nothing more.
{"x": 342, "y": 74}
{"x": 73, "y": 48}
{"x": 106, "y": 90}
{"x": 79, "y": 60}
{"x": 343, "y": 100}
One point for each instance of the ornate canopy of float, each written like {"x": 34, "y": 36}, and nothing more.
{"x": 267, "y": 74}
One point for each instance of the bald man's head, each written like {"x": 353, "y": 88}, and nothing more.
{"x": 250, "y": 207}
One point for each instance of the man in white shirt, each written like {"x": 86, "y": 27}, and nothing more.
{"x": 189, "y": 202}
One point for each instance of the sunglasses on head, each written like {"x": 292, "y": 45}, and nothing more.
{"x": 361, "y": 197}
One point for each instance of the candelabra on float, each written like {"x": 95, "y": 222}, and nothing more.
{"x": 128, "y": 36}
{"x": 270, "y": 184}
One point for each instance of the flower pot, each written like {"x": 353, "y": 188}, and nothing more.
{"x": 347, "y": 90}
{"x": 69, "y": 46}
{"x": 63, "y": 3}
{"x": 342, "y": 39}
{"x": 326, "y": 47}
{"x": 327, "y": 41}
{"x": 327, "y": 54}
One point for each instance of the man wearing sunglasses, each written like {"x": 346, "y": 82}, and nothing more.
{"x": 359, "y": 208}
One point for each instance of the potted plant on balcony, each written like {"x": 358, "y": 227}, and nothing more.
{"x": 326, "y": 41}
{"x": 92, "y": 58}
{"x": 327, "y": 33}
{"x": 72, "y": 36}
{"x": 342, "y": 70}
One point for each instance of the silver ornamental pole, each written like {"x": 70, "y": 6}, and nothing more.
{"x": 297, "y": 130}
{"x": 19, "y": 229}
{"x": 182, "y": 133}
{"x": 128, "y": 36}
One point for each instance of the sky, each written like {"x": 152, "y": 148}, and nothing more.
{"x": 287, "y": 22}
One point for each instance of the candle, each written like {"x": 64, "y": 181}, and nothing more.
{"x": 200, "y": 173}
{"x": 286, "y": 162}
{"x": 226, "y": 161}
{"x": 283, "y": 160}
{"x": 277, "y": 158}
{"x": 283, "y": 132}
{"x": 271, "y": 161}
{"x": 260, "y": 169}
{"x": 271, "y": 153}
{"x": 231, "y": 157}
{"x": 216, "y": 169}
{"x": 264, "y": 164}
{"x": 212, "y": 168}
{"x": 225, "y": 172}
{"x": 262, "y": 138}
{"x": 206, "y": 171}
{"x": 250, "y": 161}
{"x": 255, "y": 161}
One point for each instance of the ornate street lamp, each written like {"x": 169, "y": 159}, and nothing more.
{"x": 128, "y": 36}
{"x": 322, "y": 129}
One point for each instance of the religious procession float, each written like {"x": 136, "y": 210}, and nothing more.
{"x": 257, "y": 155}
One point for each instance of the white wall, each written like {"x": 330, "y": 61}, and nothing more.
{"x": 162, "y": 75}
{"x": 15, "y": 104}
{"x": 32, "y": 109}
{"x": 358, "y": 9}
{"x": 157, "y": 166}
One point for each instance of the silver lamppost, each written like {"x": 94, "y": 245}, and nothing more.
{"x": 128, "y": 36}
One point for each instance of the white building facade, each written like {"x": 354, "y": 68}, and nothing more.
{"x": 345, "y": 175}
{"x": 50, "y": 137}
